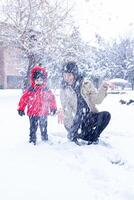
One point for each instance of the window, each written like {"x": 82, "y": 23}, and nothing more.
{"x": 13, "y": 82}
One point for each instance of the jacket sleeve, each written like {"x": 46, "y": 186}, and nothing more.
{"x": 53, "y": 105}
{"x": 62, "y": 99}
{"x": 95, "y": 96}
{"x": 69, "y": 107}
{"x": 23, "y": 100}
{"x": 66, "y": 101}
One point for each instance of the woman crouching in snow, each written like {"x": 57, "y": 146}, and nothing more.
{"x": 78, "y": 98}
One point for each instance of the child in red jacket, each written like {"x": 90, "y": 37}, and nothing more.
{"x": 40, "y": 102}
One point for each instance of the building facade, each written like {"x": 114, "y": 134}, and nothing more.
{"x": 10, "y": 67}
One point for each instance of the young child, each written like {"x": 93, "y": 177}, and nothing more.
{"x": 40, "y": 102}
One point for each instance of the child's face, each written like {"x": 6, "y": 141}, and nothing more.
{"x": 39, "y": 81}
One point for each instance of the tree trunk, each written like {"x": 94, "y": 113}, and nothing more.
{"x": 32, "y": 62}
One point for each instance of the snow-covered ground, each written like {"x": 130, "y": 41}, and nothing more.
{"x": 59, "y": 169}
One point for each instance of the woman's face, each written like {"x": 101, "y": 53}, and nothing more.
{"x": 69, "y": 78}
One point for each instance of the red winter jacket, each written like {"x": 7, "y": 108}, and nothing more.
{"x": 40, "y": 101}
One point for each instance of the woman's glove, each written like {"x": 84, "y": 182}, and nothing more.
{"x": 53, "y": 111}
{"x": 60, "y": 115}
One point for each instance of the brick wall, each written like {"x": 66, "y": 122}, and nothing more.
{"x": 12, "y": 61}
{"x": 2, "y": 69}
{"x": 12, "y": 65}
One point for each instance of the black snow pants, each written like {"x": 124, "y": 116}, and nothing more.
{"x": 93, "y": 125}
{"x": 89, "y": 127}
{"x": 34, "y": 121}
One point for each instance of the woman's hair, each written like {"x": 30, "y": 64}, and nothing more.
{"x": 70, "y": 67}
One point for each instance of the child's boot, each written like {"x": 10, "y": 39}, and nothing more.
{"x": 44, "y": 136}
{"x": 32, "y": 139}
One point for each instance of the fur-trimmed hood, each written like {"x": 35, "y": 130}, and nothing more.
{"x": 40, "y": 72}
